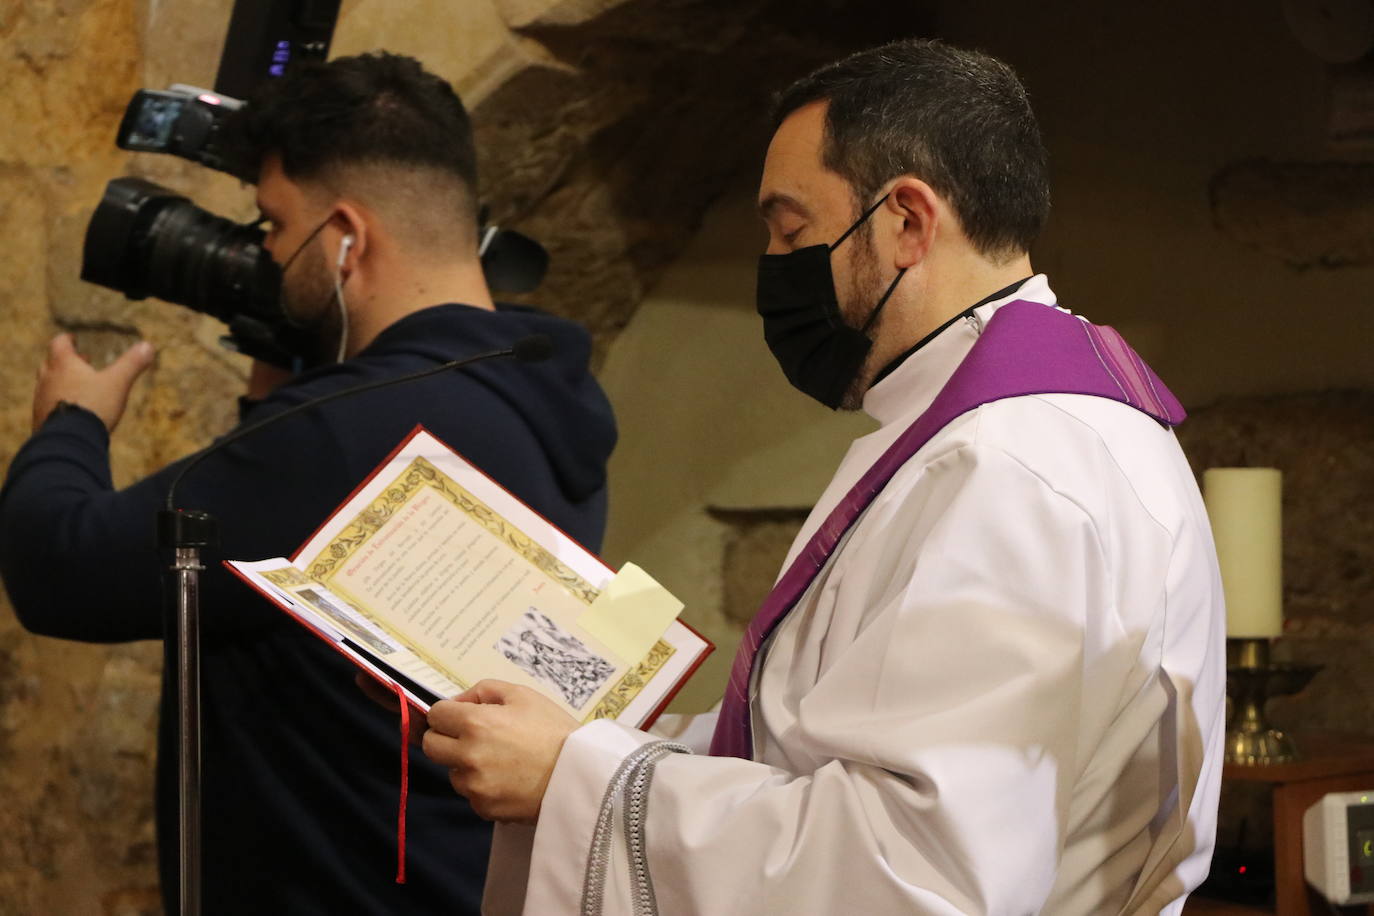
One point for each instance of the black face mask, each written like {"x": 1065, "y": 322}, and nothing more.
{"x": 819, "y": 353}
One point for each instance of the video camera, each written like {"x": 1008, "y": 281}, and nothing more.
{"x": 146, "y": 240}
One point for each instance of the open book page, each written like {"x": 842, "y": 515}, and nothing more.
{"x": 333, "y": 618}
{"x": 441, "y": 563}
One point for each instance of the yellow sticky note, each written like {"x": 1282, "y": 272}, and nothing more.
{"x": 631, "y": 613}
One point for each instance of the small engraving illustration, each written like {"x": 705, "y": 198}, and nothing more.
{"x": 541, "y": 649}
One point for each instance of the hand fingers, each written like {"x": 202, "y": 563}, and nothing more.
{"x": 61, "y": 350}
{"x": 466, "y": 783}
{"x": 443, "y": 749}
{"x": 132, "y": 363}
{"x": 467, "y": 780}
{"x": 387, "y": 699}
{"x": 62, "y": 347}
{"x": 376, "y": 692}
{"x": 418, "y": 726}
{"x": 450, "y": 717}
{"x": 489, "y": 691}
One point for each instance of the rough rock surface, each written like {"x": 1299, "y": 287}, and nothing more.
{"x": 76, "y": 721}
{"x": 754, "y": 551}
{"x": 1324, "y": 445}
{"x": 606, "y": 128}
{"x": 606, "y": 152}
{"x": 594, "y": 140}
{"x": 1308, "y": 214}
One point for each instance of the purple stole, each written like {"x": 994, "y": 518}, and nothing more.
{"x": 1027, "y": 348}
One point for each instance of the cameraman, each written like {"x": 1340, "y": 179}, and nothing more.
{"x": 366, "y": 175}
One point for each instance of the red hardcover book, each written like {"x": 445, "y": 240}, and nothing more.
{"x": 431, "y": 577}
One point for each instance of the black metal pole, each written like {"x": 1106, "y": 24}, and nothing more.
{"x": 184, "y": 535}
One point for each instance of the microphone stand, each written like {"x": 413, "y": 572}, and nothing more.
{"x": 184, "y": 534}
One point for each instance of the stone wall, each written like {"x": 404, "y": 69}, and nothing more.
{"x": 76, "y": 743}
{"x": 593, "y": 140}
{"x": 1190, "y": 170}
{"x": 611, "y": 143}
{"x": 1324, "y": 445}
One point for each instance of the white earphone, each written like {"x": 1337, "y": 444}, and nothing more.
{"x": 344, "y": 247}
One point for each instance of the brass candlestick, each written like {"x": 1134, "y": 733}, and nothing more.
{"x": 1251, "y": 679}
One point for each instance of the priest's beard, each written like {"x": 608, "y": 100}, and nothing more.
{"x": 311, "y": 304}
{"x": 862, "y": 292}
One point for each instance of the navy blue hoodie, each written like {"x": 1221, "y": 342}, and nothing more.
{"x": 300, "y": 770}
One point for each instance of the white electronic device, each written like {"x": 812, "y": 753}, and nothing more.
{"x": 1338, "y": 846}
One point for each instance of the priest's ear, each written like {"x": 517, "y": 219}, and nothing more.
{"x": 920, "y": 215}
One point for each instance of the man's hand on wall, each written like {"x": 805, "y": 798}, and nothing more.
{"x": 500, "y": 742}
{"x": 66, "y": 376}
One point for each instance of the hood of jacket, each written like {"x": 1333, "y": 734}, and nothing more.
{"x": 557, "y": 397}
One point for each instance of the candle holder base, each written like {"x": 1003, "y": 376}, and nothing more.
{"x": 1260, "y": 749}
{"x": 1250, "y": 740}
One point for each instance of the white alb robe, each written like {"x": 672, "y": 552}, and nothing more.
{"x": 1003, "y": 695}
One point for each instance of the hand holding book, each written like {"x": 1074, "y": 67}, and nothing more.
{"x": 500, "y": 742}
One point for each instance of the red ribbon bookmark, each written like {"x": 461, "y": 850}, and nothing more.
{"x": 405, "y": 786}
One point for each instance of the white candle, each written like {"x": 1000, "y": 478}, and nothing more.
{"x": 1244, "y": 505}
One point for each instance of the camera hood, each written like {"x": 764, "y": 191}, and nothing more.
{"x": 117, "y": 231}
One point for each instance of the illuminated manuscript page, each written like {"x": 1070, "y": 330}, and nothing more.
{"x": 432, "y": 570}
{"x": 458, "y": 584}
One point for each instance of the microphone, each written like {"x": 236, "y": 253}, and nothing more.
{"x": 532, "y": 349}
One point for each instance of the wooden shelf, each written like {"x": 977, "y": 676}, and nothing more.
{"x": 1331, "y": 763}
{"x": 1325, "y": 756}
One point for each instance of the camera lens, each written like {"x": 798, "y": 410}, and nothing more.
{"x": 145, "y": 240}
{"x": 208, "y": 263}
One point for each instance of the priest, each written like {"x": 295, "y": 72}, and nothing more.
{"x": 989, "y": 678}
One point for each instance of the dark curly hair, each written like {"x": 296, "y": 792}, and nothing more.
{"x": 371, "y": 110}
{"x": 958, "y": 120}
